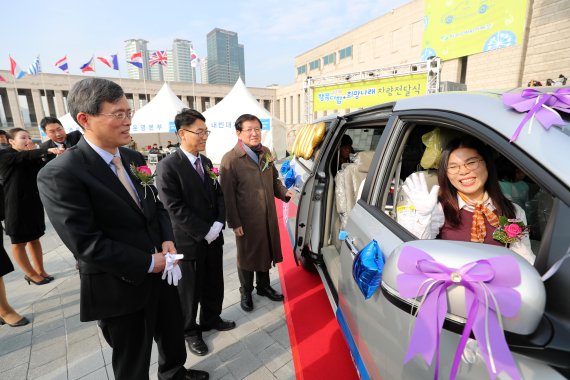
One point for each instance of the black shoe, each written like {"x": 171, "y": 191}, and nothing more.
{"x": 194, "y": 374}
{"x": 246, "y": 302}
{"x": 48, "y": 277}
{"x": 42, "y": 282}
{"x": 197, "y": 345}
{"x": 22, "y": 322}
{"x": 221, "y": 325}
{"x": 270, "y": 293}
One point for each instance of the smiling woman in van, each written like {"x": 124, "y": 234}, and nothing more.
{"x": 468, "y": 202}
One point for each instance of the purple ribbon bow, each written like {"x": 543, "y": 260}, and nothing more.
{"x": 488, "y": 294}
{"x": 541, "y": 105}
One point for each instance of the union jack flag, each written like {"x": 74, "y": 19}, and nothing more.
{"x": 159, "y": 57}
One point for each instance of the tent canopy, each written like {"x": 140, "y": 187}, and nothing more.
{"x": 158, "y": 115}
{"x": 220, "y": 120}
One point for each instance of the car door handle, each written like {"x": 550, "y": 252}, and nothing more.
{"x": 349, "y": 241}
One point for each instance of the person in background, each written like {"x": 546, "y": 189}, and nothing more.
{"x": 470, "y": 199}
{"x": 343, "y": 155}
{"x": 57, "y": 136}
{"x": 194, "y": 200}
{"x": 154, "y": 149}
{"x": 132, "y": 144}
{"x": 19, "y": 167}
{"x": 250, "y": 182}
{"x": 4, "y": 139}
{"x": 170, "y": 145}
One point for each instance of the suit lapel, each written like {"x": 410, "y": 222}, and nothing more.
{"x": 190, "y": 172}
{"x": 100, "y": 169}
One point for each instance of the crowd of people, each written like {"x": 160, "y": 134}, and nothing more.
{"x": 149, "y": 257}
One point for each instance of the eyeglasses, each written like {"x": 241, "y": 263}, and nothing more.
{"x": 469, "y": 165}
{"x": 120, "y": 115}
{"x": 250, "y": 131}
{"x": 201, "y": 132}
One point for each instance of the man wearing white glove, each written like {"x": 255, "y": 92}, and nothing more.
{"x": 189, "y": 190}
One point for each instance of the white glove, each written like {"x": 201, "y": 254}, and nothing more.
{"x": 214, "y": 232}
{"x": 417, "y": 191}
{"x": 172, "y": 270}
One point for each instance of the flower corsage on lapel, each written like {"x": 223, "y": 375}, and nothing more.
{"x": 213, "y": 173}
{"x": 145, "y": 177}
{"x": 510, "y": 230}
{"x": 267, "y": 161}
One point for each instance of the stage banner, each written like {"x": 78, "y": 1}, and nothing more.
{"x": 457, "y": 28}
{"x": 368, "y": 93}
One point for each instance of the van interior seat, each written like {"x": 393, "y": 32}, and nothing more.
{"x": 348, "y": 182}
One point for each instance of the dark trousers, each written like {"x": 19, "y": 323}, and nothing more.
{"x": 246, "y": 280}
{"x": 202, "y": 283}
{"x": 130, "y": 336}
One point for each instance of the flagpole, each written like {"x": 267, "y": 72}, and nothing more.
{"x": 44, "y": 86}
{"x": 17, "y": 100}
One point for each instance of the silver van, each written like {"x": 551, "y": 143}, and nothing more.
{"x": 363, "y": 200}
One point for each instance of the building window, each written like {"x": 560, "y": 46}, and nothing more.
{"x": 315, "y": 64}
{"x": 346, "y": 52}
{"x": 301, "y": 69}
{"x": 329, "y": 59}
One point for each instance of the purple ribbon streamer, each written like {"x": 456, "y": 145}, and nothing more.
{"x": 540, "y": 105}
{"x": 489, "y": 293}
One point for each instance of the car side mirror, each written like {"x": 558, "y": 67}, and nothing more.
{"x": 455, "y": 254}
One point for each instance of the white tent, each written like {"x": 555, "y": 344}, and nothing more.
{"x": 220, "y": 120}
{"x": 158, "y": 115}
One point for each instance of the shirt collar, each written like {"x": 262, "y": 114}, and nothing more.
{"x": 461, "y": 203}
{"x": 190, "y": 156}
{"x": 106, "y": 156}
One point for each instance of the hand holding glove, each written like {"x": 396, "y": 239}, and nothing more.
{"x": 172, "y": 271}
{"x": 214, "y": 232}
{"x": 417, "y": 191}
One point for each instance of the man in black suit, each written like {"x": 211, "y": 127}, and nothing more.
{"x": 118, "y": 234}
{"x": 188, "y": 187}
{"x": 57, "y": 136}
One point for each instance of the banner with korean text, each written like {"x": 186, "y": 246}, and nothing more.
{"x": 368, "y": 93}
{"x": 458, "y": 28}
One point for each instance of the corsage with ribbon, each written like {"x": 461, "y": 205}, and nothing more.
{"x": 145, "y": 177}
{"x": 489, "y": 296}
{"x": 540, "y": 105}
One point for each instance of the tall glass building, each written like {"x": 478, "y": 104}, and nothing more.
{"x": 179, "y": 62}
{"x": 225, "y": 57}
{"x": 134, "y": 46}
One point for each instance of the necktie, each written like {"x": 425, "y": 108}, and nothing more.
{"x": 121, "y": 173}
{"x": 199, "y": 169}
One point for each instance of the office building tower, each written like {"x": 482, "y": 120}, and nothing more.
{"x": 204, "y": 70}
{"x": 223, "y": 57}
{"x": 134, "y": 46}
{"x": 241, "y": 60}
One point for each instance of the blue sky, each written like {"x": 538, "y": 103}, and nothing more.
{"x": 273, "y": 31}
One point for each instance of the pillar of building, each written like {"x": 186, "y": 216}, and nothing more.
{"x": 51, "y": 103}
{"x": 212, "y": 101}
{"x": 199, "y": 104}
{"x": 38, "y": 108}
{"x": 59, "y": 103}
{"x": 15, "y": 108}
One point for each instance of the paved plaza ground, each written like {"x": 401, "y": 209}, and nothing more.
{"x": 56, "y": 345}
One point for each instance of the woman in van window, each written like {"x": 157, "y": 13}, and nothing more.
{"x": 470, "y": 199}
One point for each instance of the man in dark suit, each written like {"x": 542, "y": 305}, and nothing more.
{"x": 118, "y": 234}
{"x": 188, "y": 187}
{"x": 57, "y": 136}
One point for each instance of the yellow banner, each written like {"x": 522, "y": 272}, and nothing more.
{"x": 457, "y": 28}
{"x": 368, "y": 93}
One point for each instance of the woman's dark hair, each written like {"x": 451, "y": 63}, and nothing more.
{"x": 448, "y": 193}
{"x": 11, "y": 133}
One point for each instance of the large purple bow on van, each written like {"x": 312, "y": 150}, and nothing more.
{"x": 542, "y": 105}
{"x": 489, "y": 294}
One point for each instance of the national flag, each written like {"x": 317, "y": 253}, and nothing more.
{"x": 15, "y": 69}
{"x": 35, "y": 68}
{"x": 159, "y": 57}
{"x": 89, "y": 66}
{"x": 136, "y": 59}
{"x": 110, "y": 60}
{"x": 2, "y": 79}
{"x": 194, "y": 59}
{"x": 62, "y": 65}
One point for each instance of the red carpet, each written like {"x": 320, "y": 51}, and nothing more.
{"x": 318, "y": 346}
